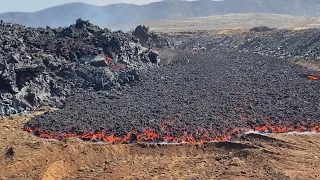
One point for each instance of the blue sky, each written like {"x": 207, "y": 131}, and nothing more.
{"x": 35, "y": 5}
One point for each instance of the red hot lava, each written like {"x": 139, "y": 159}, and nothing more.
{"x": 150, "y": 135}
{"x": 112, "y": 64}
{"x": 312, "y": 77}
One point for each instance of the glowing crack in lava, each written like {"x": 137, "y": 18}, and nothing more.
{"x": 312, "y": 77}
{"x": 196, "y": 137}
{"x": 112, "y": 64}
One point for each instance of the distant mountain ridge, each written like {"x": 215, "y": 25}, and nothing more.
{"x": 126, "y": 16}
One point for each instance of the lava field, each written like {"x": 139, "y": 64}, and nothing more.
{"x": 42, "y": 66}
{"x": 279, "y": 43}
{"x": 114, "y": 87}
{"x": 198, "y": 97}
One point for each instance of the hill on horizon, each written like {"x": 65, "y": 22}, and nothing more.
{"x": 126, "y": 16}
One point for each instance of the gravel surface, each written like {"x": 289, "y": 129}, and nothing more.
{"x": 283, "y": 44}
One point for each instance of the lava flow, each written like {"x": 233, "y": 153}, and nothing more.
{"x": 285, "y": 129}
{"x": 196, "y": 137}
{"x": 114, "y": 66}
{"x": 312, "y": 77}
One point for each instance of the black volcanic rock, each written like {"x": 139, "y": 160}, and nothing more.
{"x": 262, "y": 29}
{"x": 148, "y": 38}
{"x": 41, "y": 67}
{"x": 142, "y": 33}
{"x": 279, "y": 43}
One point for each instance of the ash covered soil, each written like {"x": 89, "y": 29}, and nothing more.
{"x": 204, "y": 94}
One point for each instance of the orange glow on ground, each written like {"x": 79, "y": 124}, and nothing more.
{"x": 312, "y": 77}
{"x": 150, "y": 135}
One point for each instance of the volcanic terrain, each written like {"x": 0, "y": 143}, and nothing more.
{"x": 112, "y": 86}
{"x": 198, "y": 97}
{"x": 157, "y": 93}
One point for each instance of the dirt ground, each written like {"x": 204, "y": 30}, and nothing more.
{"x": 24, "y": 156}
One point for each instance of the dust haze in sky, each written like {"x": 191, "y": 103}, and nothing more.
{"x": 35, "y": 5}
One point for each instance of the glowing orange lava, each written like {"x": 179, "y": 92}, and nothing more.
{"x": 112, "y": 64}
{"x": 150, "y": 135}
{"x": 312, "y": 77}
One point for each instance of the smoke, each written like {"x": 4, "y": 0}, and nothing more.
{"x": 288, "y": 133}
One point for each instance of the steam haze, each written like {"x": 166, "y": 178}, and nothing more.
{"x": 127, "y": 16}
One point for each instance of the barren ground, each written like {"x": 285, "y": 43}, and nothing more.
{"x": 230, "y": 22}
{"x": 253, "y": 157}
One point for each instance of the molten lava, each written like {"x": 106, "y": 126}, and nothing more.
{"x": 286, "y": 127}
{"x": 312, "y": 77}
{"x": 113, "y": 65}
{"x": 193, "y": 51}
{"x": 150, "y": 135}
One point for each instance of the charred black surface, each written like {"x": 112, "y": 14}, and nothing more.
{"x": 217, "y": 90}
{"x": 279, "y": 43}
{"x": 42, "y": 66}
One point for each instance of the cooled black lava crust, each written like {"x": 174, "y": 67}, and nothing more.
{"x": 216, "y": 90}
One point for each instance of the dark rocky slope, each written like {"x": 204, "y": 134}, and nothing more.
{"x": 282, "y": 44}
{"x": 42, "y": 66}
